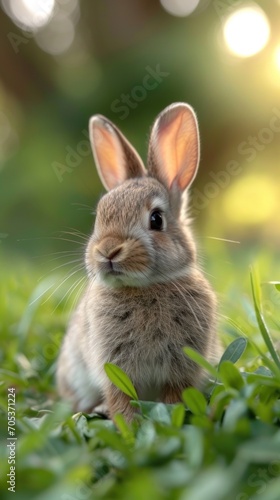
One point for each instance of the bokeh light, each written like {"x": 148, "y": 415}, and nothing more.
{"x": 247, "y": 31}
{"x": 57, "y": 37}
{"x": 31, "y": 14}
{"x": 180, "y": 8}
{"x": 251, "y": 200}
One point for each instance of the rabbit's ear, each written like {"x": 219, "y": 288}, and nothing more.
{"x": 116, "y": 160}
{"x": 173, "y": 155}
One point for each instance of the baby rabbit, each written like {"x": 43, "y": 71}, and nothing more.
{"x": 146, "y": 297}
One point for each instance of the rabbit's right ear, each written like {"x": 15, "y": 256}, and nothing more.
{"x": 116, "y": 160}
{"x": 174, "y": 147}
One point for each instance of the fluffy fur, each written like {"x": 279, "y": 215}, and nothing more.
{"x": 146, "y": 297}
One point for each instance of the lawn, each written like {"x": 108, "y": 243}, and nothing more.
{"x": 222, "y": 443}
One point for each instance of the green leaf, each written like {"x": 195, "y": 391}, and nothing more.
{"x": 195, "y": 401}
{"x": 178, "y": 415}
{"x": 262, "y": 379}
{"x": 160, "y": 414}
{"x": 202, "y": 421}
{"x": 218, "y": 403}
{"x": 201, "y": 361}
{"x": 260, "y": 450}
{"x": 276, "y": 284}
{"x": 266, "y": 360}
{"x": 120, "y": 379}
{"x": 271, "y": 490}
{"x": 231, "y": 376}
{"x": 124, "y": 428}
{"x": 193, "y": 445}
{"x": 234, "y": 351}
{"x": 260, "y": 319}
{"x": 236, "y": 410}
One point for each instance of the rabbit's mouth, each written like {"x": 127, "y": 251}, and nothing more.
{"x": 114, "y": 272}
{"x": 117, "y": 278}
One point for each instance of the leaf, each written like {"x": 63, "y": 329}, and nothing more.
{"x": 201, "y": 361}
{"x": 160, "y": 414}
{"x": 266, "y": 360}
{"x": 262, "y": 370}
{"x": 195, "y": 401}
{"x": 276, "y": 284}
{"x": 202, "y": 421}
{"x": 260, "y": 319}
{"x": 236, "y": 410}
{"x": 262, "y": 379}
{"x": 194, "y": 445}
{"x": 231, "y": 376}
{"x": 260, "y": 450}
{"x": 234, "y": 351}
{"x": 271, "y": 490}
{"x": 218, "y": 404}
{"x": 178, "y": 415}
{"x": 120, "y": 379}
{"x": 124, "y": 428}
{"x": 215, "y": 482}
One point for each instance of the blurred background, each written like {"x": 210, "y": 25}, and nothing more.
{"x": 63, "y": 60}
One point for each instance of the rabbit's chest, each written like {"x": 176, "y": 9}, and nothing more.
{"x": 143, "y": 326}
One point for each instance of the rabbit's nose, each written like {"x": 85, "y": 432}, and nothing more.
{"x": 108, "y": 249}
{"x": 110, "y": 255}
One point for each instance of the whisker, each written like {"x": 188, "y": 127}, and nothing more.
{"x": 76, "y": 233}
{"x": 65, "y": 239}
{"x": 223, "y": 239}
{"x": 83, "y": 205}
{"x": 61, "y": 253}
{"x": 62, "y": 265}
{"x": 68, "y": 292}
{"x": 79, "y": 291}
{"x": 62, "y": 282}
{"x": 41, "y": 295}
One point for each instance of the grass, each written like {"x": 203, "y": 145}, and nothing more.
{"x": 222, "y": 443}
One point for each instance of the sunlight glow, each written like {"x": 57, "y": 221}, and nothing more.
{"x": 247, "y": 31}
{"x": 251, "y": 200}
{"x": 31, "y": 14}
{"x": 180, "y": 8}
{"x": 277, "y": 57}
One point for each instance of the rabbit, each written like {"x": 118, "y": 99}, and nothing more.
{"x": 146, "y": 296}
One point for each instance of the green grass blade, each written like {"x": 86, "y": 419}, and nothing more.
{"x": 260, "y": 319}
{"x": 120, "y": 379}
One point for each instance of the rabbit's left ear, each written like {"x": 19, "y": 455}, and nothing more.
{"x": 116, "y": 159}
{"x": 173, "y": 155}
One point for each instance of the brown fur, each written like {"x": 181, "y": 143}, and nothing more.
{"x": 146, "y": 298}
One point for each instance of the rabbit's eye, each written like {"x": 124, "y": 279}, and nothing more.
{"x": 156, "y": 221}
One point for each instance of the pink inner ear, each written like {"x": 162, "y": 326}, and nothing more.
{"x": 109, "y": 156}
{"x": 177, "y": 146}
